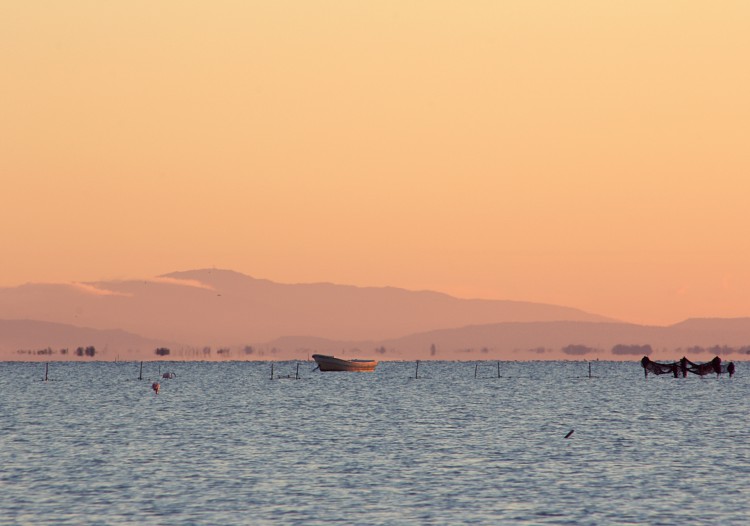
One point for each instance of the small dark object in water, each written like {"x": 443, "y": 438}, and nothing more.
{"x": 155, "y": 386}
{"x": 569, "y": 433}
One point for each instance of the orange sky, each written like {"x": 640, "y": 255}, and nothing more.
{"x": 585, "y": 153}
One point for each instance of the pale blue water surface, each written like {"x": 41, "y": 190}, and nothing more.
{"x": 223, "y": 444}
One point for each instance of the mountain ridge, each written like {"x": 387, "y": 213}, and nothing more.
{"x": 220, "y": 307}
{"x": 252, "y": 317}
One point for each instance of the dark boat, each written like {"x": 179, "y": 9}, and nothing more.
{"x": 329, "y": 363}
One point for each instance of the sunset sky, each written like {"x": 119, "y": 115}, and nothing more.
{"x": 584, "y": 153}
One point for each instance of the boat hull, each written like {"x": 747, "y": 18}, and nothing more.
{"x": 331, "y": 364}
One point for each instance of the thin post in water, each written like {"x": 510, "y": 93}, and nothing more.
{"x": 416, "y": 372}
{"x": 589, "y": 369}
{"x": 476, "y": 369}
{"x": 140, "y": 375}
{"x": 46, "y": 372}
{"x": 498, "y": 369}
{"x": 297, "y": 376}
{"x": 271, "y": 370}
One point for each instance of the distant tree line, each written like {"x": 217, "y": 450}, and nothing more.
{"x": 48, "y": 351}
{"x": 646, "y": 350}
{"x": 716, "y": 350}
{"x": 578, "y": 350}
{"x": 89, "y": 351}
{"x": 635, "y": 350}
{"x": 617, "y": 350}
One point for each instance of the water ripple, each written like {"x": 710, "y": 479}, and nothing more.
{"x": 223, "y": 444}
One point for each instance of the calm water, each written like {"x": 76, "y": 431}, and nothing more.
{"x": 222, "y": 444}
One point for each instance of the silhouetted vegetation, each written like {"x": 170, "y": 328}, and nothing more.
{"x": 162, "y": 351}
{"x": 716, "y": 350}
{"x": 578, "y": 350}
{"x": 636, "y": 350}
{"x": 49, "y": 351}
{"x": 89, "y": 351}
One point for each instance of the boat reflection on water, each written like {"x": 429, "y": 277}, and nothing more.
{"x": 329, "y": 363}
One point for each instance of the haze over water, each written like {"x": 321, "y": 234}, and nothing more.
{"x": 223, "y": 444}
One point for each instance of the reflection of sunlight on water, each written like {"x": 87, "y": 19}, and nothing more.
{"x": 223, "y": 444}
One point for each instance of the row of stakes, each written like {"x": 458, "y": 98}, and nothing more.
{"x": 416, "y": 371}
{"x": 155, "y": 386}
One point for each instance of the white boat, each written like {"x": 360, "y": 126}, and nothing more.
{"x": 329, "y": 363}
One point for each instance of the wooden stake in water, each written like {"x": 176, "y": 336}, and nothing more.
{"x": 46, "y": 372}
{"x": 297, "y": 376}
{"x": 476, "y": 369}
{"x": 416, "y": 373}
{"x": 589, "y": 369}
{"x": 271, "y": 370}
{"x": 140, "y": 375}
{"x": 498, "y": 369}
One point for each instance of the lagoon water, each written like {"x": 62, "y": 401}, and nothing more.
{"x": 223, "y": 444}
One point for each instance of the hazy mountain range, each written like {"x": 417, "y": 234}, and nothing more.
{"x": 255, "y": 318}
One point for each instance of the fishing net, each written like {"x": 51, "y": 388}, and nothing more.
{"x": 702, "y": 369}
{"x": 685, "y": 366}
{"x": 650, "y": 366}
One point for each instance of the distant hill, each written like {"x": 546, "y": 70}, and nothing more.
{"x": 248, "y": 318}
{"x": 30, "y": 337}
{"x": 222, "y": 307}
{"x": 697, "y": 339}
{"x": 546, "y": 340}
